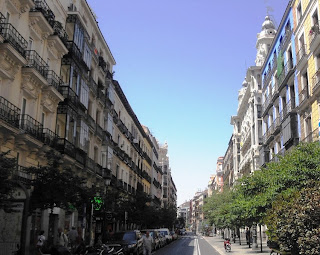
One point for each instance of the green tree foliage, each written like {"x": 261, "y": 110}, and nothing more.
{"x": 54, "y": 186}
{"x": 7, "y": 166}
{"x": 255, "y": 197}
{"x": 294, "y": 221}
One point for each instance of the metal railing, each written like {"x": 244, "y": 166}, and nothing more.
{"x": 316, "y": 80}
{"x": 31, "y": 126}
{"x": 42, "y": 6}
{"x": 285, "y": 71}
{"x": 9, "y": 112}
{"x": 301, "y": 53}
{"x": 60, "y": 32}
{"x": 287, "y": 109}
{"x": 314, "y": 32}
{"x": 13, "y": 37}
{"x": 49, "y": 137}
{"x": 35, "y": 61}
{"x": 64, "y": 146}
{"x": 304, "y": 95}
{"x": 69, "y": 94}
{"x": 54, "y": 80}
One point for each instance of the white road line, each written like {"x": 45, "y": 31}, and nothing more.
{"x": 196, "y": 250}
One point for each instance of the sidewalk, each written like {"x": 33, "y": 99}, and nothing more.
{"x": 217, "y": 243}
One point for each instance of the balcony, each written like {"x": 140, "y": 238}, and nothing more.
{"x": 90, "y": 164}
{"x": 54, "y": 80}
{"x": 106, "y": 173}
{"x": 147, "y": 158}
{"x": 287, "y": 71}
{"x": 42, "y": 7}
{"x": 314, "y": 37}
{"x": 302, "y": 57}
{"x": 50, "y": 138}
{"x": 102, "y": 63}
{"x": 76, "y": 54}
{"x": 81, "y": 156}
{"x": 316, "y": 83}
{"x": 9, "y": 112}
{"x": 311, "y": 136}
{"x": 60, "y": 32}
{"x": 122, "y": 127}
{"x": 275, "y": 90}
{"x": 31, "y": 126}
{"x": 303, "y": 96}
{"x": 35, "y": 61}
{"x": 268, "y": 136}
{"x": 267, "y": 78}
{"x": 276, "y": 126}
{"x": 69, "y": 95}
{"x": 99, "y": 132}
{"x": 286, "y": 39}
{"x": 266, "y": 105}
{"x": 93, "y": 86}
{"x": 288, "y": 108}
{"x": 14, "y": 38}
{"x": 22, "y": 175}
{"x": 66, "y": 147}
{"x": 98, "y": 169}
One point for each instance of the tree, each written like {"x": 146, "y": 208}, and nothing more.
{"x": 54, "y": 186}
{"x": 7, "y": 166}
{"x": 294, "y": 221}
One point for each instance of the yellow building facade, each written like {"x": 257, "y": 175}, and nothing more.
{"x": 307, "y": 40}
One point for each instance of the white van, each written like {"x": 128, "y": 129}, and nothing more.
{"x": 166, "y": 233}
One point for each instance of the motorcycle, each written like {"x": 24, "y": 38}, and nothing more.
{"x": 103, "y": 249}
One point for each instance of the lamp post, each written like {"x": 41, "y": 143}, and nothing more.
{"x": 104, "y": 223}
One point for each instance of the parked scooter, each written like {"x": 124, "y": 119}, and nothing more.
{"x": 101, "y": 250}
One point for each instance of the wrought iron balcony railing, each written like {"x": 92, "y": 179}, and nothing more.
{"x": 66, "y": 147}
{"x": 42, "y": 6}
{"x": 60, "y": 32}
{"x": 54, "y": 80}
{"x": 9, "y": 112}
{"x": 49, "y": 137}
{"x": 13, "y": 37}
{"x": 285, "y": 71}
{"x": 316, "y": 81}
{"x": 31, "y": 126}
{"x": 35, "y": 61}
{"x": 314, "y": 33}
{"x": 69, "y": 94}
{"x": 304, "y": 95}
{"x": 289, "y": 107}
{"x": 301, "y": 53}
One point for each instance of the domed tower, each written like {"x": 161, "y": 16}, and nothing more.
{"x": 264, "y": 40}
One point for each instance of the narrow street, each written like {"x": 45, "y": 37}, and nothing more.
{"x": 188, "y": 245}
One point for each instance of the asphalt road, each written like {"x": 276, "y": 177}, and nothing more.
{"x": 188, "y": 245}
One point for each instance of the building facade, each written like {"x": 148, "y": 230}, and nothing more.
{"x": 280, "y": 93}
{"x": 57, "y": 92}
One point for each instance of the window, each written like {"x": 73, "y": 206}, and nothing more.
{"x": 84, "y": 135}
{"x": 299, "y": 12}
{"x": 42, "y": 118}
{"x": 87, "y": 55}
{"x": 24, "y": 106}
{"x": 30, "y": 44}
{"x": 84, "y": 94}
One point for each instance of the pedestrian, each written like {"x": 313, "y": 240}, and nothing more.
{"x": 248, "y": 236}
{"x": 62, "y": 238}
{"x": 40, "y": 242}
{"x": 147, "y": 243}
{"x": 73, "y": 236}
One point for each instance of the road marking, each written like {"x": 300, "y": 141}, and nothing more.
{"x": 196, "y": 250}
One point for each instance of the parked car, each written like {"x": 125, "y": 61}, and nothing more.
{"x": 155, "y": 236}
{"x": 131, "y": 241}
{"x": 166, "y": 233}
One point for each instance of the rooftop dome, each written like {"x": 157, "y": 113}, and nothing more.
{"x": 267, "y": 24}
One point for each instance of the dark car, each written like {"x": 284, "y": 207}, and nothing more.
{"x": 131, "y": 241}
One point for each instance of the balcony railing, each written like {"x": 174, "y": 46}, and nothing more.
{"x": 301, "y": 53}
{"x": 74, "y": 51}
{"x": 9, "y": 112}
{"x": 31, "y": 126}
{"x": 90, "y": 164}
{"x": 42, "y": 6}
{"x": 64, "y": 146}
{"x": 54, "y": 80}
{"x": 102, "y": 63}
{"x": 69, "y": 94}
{"x": 285, "y": 71}
{"x": 98, "y": 169}
{"x": 276, "y": 124}
{"x": 285, "y": 39}
{"x": 313, "y": 34}
{"x": 35, "y": 61}
{"x": 60, "y": 32}
{"x": 13, "y": 37}
{"x": 315, "y": 81}
{"x": 266, "y": 103}
{"x": 311, "y": 136}
{"x": 50, "y": 138}
{"x": 93, "y": 85}
{"x": 304, "y": 95}
{"x": 289, "y": 107}
{"x": 22, "y": 175}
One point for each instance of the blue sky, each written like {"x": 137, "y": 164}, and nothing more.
{"x": 180, "y": 64}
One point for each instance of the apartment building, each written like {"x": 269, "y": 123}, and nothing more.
{"x": 197, "y": 215}
{"x": 247, "y": 124}
{"x": 57, "y": 92}
{"x": 227, "y": 166}
{"x": 307, "y": 40}
{"x": 280, "y": 93}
